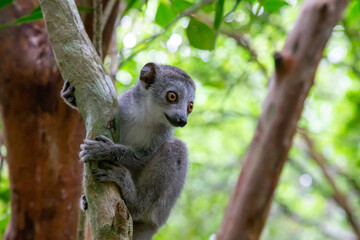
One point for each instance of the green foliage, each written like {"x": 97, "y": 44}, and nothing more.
{"x": 5, "y": 3}
{"x": 164, "y": 14}
{"x": 231, "y": 88}
{"x": 200, "y": 35}
{"x": 274, "y": 5}
{"x": 219, "y": 13}
{"x": 181, "y": 5}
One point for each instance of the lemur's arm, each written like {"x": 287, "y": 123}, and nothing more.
{"x": 159, "y": 185}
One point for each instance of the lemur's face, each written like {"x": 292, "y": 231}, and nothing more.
{"x": 171, "y": 94}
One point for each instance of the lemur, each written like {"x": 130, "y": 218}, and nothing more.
{"x": 149, "y": 165}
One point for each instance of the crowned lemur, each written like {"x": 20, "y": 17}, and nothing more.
{"x": 149, "y": 165}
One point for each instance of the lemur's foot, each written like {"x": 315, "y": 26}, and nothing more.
{"x": 102, "y": 149}
{"x": 67, "y": 93}
{"x": 83, "y": 203}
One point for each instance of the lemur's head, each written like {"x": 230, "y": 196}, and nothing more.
{"x": 170, "y": 93}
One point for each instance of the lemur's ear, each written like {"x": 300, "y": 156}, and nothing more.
{"x": 148, "y": 74}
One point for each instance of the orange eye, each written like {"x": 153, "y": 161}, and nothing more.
{"x": 171, "y": 97}
{"x": 190, "y": 107}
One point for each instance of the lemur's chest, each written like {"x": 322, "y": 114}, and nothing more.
{"x": 135, "y": 135}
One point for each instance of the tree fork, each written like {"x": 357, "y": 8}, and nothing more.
{"x": 97, "y": 102}
{"x": 295, "y": 68}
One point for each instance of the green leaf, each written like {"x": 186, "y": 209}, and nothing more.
{"x": 274, "y": 5}
{"x": 36, "y": 14}
{"x": 353, "y": 12}
{"x": 219, "y": 13}
{"x": 164, "y": 14}
{"x": 180, "y": 5}
{"x": 4, "y": 3}
{"x": 200, "y": 35}
{"x": 130, "y": 4}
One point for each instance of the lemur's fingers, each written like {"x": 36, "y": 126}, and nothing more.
{"x": 107, "y": 165}
{"x": 67, "y": 84}
{"x": 68, "y": 91}
{"x": 86, "y": 156}
{"x": 101, "y": 175}
{"x": 104, "y": 139}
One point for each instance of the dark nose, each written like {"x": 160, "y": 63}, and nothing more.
{"x": 182, "y": 122}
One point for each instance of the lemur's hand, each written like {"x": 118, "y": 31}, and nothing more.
{"x": 67, "y": 93}
{"x": 102, "y": 149}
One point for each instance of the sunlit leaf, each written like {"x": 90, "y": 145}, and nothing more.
{"x": 130, "y": 4}
{"x": 181, "y": 5}
{"x": 274, "y": 5}
{"x": 353, "y": 12}
{"x": 200, "y": 35}
{"x": 164, "y": 14}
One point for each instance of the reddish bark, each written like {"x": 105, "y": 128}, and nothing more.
{"x": 41, "y": 133}
{"x": 295, "y": 68}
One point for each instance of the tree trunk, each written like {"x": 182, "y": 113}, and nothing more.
{"x": 41, "y": 133}
{"x": 295, "y": 68}
{"x": 82, "y": 67}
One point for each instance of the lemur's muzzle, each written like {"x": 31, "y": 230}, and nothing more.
{"x": 176, "y": 121}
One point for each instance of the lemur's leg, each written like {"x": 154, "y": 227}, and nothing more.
{"x": 67, "y": 93}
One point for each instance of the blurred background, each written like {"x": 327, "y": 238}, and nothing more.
{"x": 231, "y": 65}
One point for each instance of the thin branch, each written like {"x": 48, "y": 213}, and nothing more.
{"x": 98, "y": 26}
{"x": 328, "y": 231}
{"x": 144, "y": 42}
{"x": 340, "y": 198}
{"x": 351, "y": 180}
{"x": 107, "y": 12}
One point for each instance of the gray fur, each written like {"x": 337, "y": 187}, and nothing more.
{"x": 149, "y": 165}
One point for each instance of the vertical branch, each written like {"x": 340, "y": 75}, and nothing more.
{"x": 81, "y": 66}
{"x": 295, "y": 67}
{"x": 98, "y": 26}
{"x": 340, "y": 198}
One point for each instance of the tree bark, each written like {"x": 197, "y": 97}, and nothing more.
{"x": 41, "y": 133}
{"x": 295, "y": 68}
{"x": 97, "y": 103}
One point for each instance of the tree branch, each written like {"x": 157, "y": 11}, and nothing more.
{"x": 340, "y": 198}
{"x": 97, "y": 103}
{"x": 295, "y": 68}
